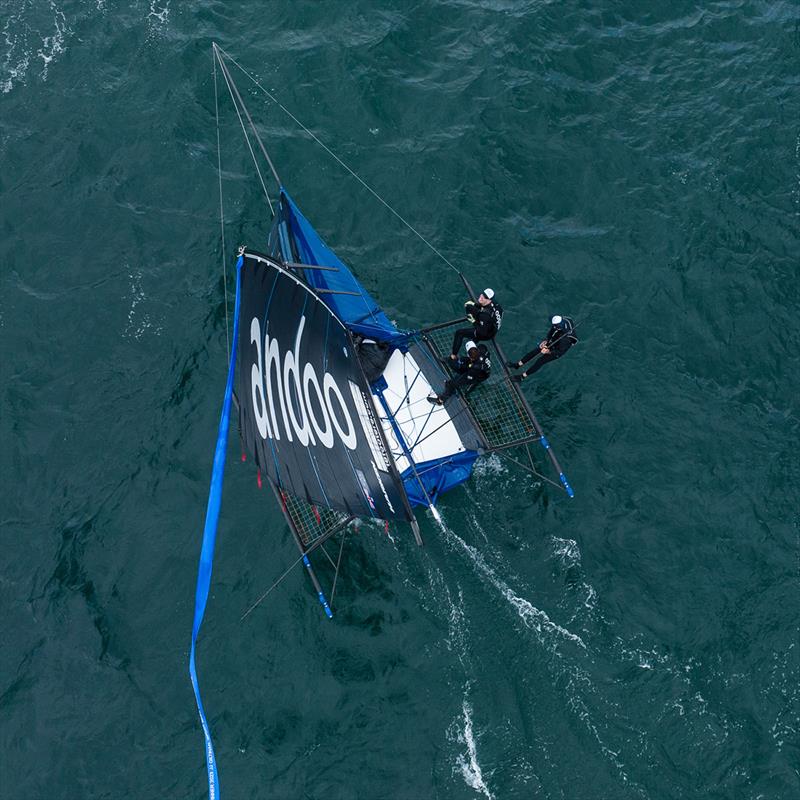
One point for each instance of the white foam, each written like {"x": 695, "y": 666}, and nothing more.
{"x": 20, "y": 31}
{"x": 159, "y": 14}
{"x": 489, "y": 465}
{"x": 566, "y": 551}
{"x": 14, "y": 66}
{"x": 533, "y": 617}
{"x": 139, "y": 321}
{"x": 53, "y": 45}
{"x": 568, "y": 554}
{"x": 468, "y": 763}
{"x": 438, "y": 517}
{"x": 461, "y": 729}
{"x": 591, "y": 596}
{"x": 575, "y": 681}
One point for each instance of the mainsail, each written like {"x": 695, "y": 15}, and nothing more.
{"x": 305, "y": 411}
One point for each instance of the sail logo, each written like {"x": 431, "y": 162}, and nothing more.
{"x": 309, "y": 410}
{"x": 370, "y": 427}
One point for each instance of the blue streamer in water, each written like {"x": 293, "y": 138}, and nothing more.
{"x": 209, "y": 538}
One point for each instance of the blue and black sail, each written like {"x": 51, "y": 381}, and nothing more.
{"x": 305, "y": 409}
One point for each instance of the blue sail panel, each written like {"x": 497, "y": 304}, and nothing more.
{"x": 295, "y": 239}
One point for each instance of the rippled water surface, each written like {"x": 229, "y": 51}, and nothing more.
{"x": 633, "y": 164}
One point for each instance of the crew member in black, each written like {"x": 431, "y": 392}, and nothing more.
{"x": 485, "y": 316}
{"x": 559, "y": 339}
{"x": 470, "y": 371}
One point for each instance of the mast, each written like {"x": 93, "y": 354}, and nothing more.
{"x": 234, "y": 90}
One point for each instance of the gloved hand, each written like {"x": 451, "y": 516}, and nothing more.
{"x": 468, "y": 310}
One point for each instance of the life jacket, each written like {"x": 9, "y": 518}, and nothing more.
{"x": 568, "y": 329}
{"x": 491, "y": 316}
{"x": 482, "y": 365}
{"x": 564, "y": 329}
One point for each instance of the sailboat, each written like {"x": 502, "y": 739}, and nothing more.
{"x": 332, "y": 395}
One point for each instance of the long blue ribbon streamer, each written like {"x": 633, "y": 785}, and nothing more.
{"x": 209, "y": 538}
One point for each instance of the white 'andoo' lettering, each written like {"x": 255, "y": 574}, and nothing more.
{"x": 301, "y": 426}
{"x": 294, "y": 385}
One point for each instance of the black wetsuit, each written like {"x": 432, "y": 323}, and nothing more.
{"x": 558, "y": 340}
{"x": 487, "y": 322}
{"x": 469, "y": 373}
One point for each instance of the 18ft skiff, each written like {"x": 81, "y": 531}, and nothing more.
{"x": 331, "y": 395}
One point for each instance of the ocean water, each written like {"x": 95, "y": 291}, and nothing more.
{"x": 635, "y": 165}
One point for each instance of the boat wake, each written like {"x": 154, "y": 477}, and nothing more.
{"x": 468, "y": 763}
{"x": 568, "y": 555}
{"x": 462, "y": 729}
{"x": 575, "y": 680}
{"x": 534, "y": 618}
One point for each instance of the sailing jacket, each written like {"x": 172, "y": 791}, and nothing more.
{"x": 477, "y": 370}
{"x": 559, "y": 340}
{"x": 487, "y": 319}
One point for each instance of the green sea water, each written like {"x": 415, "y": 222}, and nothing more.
{"x": 633, "y": 164}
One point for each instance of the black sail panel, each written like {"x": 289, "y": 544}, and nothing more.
{"x": 304, "y": 411}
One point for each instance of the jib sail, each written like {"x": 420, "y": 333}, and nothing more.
{"x": 305, "y": 410}
{"x": 293, "y": 239}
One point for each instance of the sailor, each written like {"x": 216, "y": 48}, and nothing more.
{"x": 486, "y": 317}
{"x": 470, "y": 371}
{"x": 373, "y": 355}
{"x": 559, "y": 339}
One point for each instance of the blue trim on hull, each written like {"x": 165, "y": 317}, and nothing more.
{"x": 438, "y": 476}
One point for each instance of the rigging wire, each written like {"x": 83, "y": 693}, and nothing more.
{"x": 338, "y": 562}
{"x": 274, "y": 585}
{"x": 339, "y": 160}
{"x": 264, "y": 152}
{"x": 529, "y": 469}
{"x": 318, "y": 544}
{"x": 222, "y": 217}
{"x": 246, "y": 137}
{"x": 328, "y": 556}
